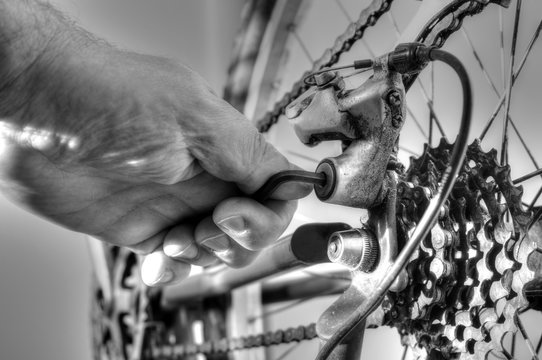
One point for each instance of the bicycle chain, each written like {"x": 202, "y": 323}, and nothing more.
{"x": 439, "y": 32}
{"x": 225, "y": 345}
{"x": 343, "y": 43}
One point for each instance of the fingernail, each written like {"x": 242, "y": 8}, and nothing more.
{"x": 176, "y": 250}
{"x": 220, "y": 242}
{"x": 234, "y": 226}
{"x": 160, "y": 279}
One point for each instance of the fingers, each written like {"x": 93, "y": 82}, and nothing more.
{"x": 181, "y": 245}
{"x": 225, "y": 248}
{"x": 228, "y": 146}
{"x": 253, "y": 225}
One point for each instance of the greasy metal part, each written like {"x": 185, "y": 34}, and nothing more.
{"x": 370, "y": 115}
{"x": 307, "y": 246}
{"x": 315, "y": 115}
{"x": 382, "y": 223}
{"x": 356, "y": 248}
{"x": 464, "y": 310}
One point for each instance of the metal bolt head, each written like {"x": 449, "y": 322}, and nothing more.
{"x": 394, "y": 98}
{"x": 397, "y": 120}
{"x": 354, "y": 248}
{"x": 324, "y": 78}
{"x": 333, "y": 247}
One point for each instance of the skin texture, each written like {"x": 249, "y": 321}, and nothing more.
{"x": 132, "y": 149}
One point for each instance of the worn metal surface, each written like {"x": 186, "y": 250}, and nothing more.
{"x": 370, "y": 116}
{"x": 466, "y": 281}
{"x": 382, "y": 223}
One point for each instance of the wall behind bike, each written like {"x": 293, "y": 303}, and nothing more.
{"x": 45, "y": 270}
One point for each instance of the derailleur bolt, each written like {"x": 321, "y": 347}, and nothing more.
{"x": 355, "y": 248}
{"x": 394, "y": 98}
{"x": 397, "y": 120}
{"x": 324, "y": 78}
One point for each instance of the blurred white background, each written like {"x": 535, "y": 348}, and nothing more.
{"x": 45, "y": 270}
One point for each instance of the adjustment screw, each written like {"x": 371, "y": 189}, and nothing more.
{"x": 394, "y": 98}
{"x": 355, "y": 248}
{"x": 324, "y": 78}
{"x": 333, "y": 248}
{"x": 396, "y": 120}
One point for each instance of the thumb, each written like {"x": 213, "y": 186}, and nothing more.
{"x": 233, "y": 150}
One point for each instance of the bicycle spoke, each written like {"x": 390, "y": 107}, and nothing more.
{"x": 293, "y": 30}
{"x": 533, "y": 202}
{"x": 343, "y": 10}
{"x": 539, "y": 345}
{"x": 287, "y": 352}
{"x": 527, "y": 177}
{"x": 523, "y": 143}
{"x": 432, "y": 114}
{"x": 504, "y": 142}
{"x": 500, "y": 103}
{"x": 405, "y": 350}
{"x": 526, "y": 338}
{"x": 479, "y": 60}
{"x": 431, "y": 120}
{"x": 501, "y": 33}
{"x": 494, "y": 87}
{"x": 411, "y": 152}
{"x": 289, "y": 306}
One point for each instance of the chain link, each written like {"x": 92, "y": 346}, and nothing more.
{"x": 225, "y": 345}
{"x": 435, "y": 35}
{"x": 368, "y": 17}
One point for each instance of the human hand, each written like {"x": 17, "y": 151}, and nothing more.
{"x": 137, "y": 151}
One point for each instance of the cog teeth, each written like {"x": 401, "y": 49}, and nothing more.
{"x": 467, "y": 280}
{"x": 502, "y": 262}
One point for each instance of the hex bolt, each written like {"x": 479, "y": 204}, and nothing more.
{"x": 396, "y": 120}
{"x": 394, "y": 98}
{"x": 334, "y": 247}
{"x": 324, "y": 78}
{"x": 355, "y": 248}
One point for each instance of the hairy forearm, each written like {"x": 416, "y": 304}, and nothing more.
{"x": 37, "y": 44}
{"x": 31, "y": 32}
{"x": 80, "y": 101}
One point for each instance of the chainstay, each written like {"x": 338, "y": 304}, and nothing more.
{"x": 435, "y": 34}
{"x": 225, "y": 345}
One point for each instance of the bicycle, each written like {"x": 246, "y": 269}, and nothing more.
{"x": 464, "y": 287}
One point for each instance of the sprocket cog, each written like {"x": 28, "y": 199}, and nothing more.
{"x": 467, "y": 278}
